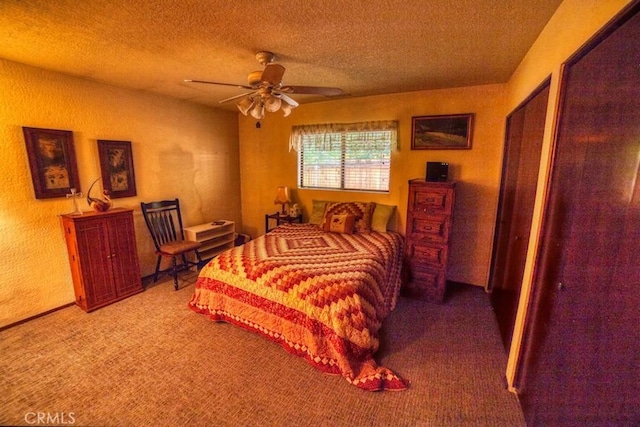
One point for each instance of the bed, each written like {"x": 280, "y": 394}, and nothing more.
{"x": 320, "y": 294}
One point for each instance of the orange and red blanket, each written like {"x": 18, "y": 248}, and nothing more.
{"x": 320, "y": 295}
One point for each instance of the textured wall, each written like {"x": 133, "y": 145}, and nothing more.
{"x": 267, "y": 163}
{"x": 179, "y": 149}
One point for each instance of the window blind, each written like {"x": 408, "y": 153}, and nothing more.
{"x": 346, "y": 156}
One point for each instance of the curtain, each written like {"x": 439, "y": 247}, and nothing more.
{"x": 325, "y": 133}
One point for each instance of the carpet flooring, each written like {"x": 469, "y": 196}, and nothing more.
{"x": 150, "y": 361}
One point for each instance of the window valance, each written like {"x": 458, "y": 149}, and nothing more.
{"x": 324, "y": 134}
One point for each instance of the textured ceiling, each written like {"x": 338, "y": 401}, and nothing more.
{"x": 364, "y": 47}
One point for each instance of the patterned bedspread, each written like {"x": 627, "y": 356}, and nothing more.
{"x": 320, "y": 295}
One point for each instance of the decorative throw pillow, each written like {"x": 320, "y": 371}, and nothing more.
{"x": 362, "y": 212}
{"x": 381, "y": 216}
{"x": 317, "y": 211}
{"x": 340, "y": 224}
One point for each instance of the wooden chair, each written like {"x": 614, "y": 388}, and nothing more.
{"x": 165, "y": 225}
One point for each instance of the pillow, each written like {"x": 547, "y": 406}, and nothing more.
{"x": 317, "y": 212}
{"x": 381, "y": 216}
{"x": 343, "y": 223}
{"x": 360, "y": 210}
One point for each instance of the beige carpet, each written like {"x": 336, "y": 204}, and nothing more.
{"x": 150, "y": 361}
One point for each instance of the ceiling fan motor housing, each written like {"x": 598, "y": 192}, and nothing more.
{"x": 255, "y": 78}
{"x": 265, "y": 57}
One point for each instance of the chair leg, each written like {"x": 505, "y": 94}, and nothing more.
{"x": 155, "y": 275}
{"x": 175, "y": 273}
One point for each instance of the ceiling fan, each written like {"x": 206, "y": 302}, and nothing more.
{"x": 267, "y": 91}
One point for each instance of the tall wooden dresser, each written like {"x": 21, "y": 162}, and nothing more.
{"x": 103, "y": 257}
{"x": 429, "y": 217}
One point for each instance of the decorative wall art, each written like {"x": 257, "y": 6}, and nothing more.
{"x": 441, "y": 132}
{"x": 52, "y": 161}
{"x": 116, "y": 167}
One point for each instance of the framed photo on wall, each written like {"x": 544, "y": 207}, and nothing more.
{"x": 52, "y": 161}
{"x": 116, "y": 167}
{"x": 451, "y": 132}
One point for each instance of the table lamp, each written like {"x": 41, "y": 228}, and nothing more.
{"x": 282, "y": 198}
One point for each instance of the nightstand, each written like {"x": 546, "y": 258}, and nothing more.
{"x": 279, "y": 220}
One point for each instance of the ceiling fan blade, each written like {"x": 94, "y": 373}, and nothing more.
{"x": 218, "y": 83}
{"x": 236, "y": 97}
{"x": 313, "y": 90}
{"x": 287, "y": 99}
{"x": 273, "y": 74}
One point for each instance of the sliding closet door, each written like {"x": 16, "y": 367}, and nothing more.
{"x": 523, "y": 145}
{"x": 582, "y": 360}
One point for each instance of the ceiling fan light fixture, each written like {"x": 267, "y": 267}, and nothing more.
{"x": 272, "y": 103}
{"x": 257, "y": 112}
{"x": 245, "y": 104}
{"x": 286, "y": 108}
{"x": 267, "y": 91}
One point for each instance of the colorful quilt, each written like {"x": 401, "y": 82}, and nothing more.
{"x": 320, "y": 295}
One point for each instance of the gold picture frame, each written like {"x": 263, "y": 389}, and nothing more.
{"x": 116, "y": 168}
{"x": 52, "y": 161}
{"x": 444, "y": 132}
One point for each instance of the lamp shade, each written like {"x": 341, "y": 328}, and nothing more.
{"x": 282, "y": 196}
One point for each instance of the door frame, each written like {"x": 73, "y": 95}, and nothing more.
{"x": 498, "y": 229}
{"x": 535, "y": 311}
{"x": 505, "y": 300}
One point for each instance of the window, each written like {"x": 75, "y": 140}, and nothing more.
{"x": 355, "y": 156}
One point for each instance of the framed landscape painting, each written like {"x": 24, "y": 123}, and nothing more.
{"x": 116, "y": 167}
{"x": 441, "y": 132}
{"x": 52, "y": 161}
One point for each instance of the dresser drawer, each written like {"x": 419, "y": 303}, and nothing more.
{"x": 433, "y": 228}
{"x": 420, "y": 255}
{"x": 426, "y": 277}
{"x": 426, "y": 284}
{"x": 432, "y": 201}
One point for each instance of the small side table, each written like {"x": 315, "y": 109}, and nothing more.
{"x": 279, "y": 220}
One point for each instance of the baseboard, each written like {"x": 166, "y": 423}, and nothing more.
{"x": 20, "y": 322}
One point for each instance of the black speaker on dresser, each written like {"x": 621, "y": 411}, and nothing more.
{"x": 437, "y": 172}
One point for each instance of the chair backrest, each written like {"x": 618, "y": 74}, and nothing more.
{"x": 163, "y": 221}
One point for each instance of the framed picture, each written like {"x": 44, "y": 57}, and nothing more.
{"x": 116, "y": 167}
{"x": 441, "y": 132}
{"x": 52, "y": 161}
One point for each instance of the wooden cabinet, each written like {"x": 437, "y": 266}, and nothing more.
{"x": 215, "y": 238}
{"x": 103, "y": 257}
{"x": 429, "y": 217}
